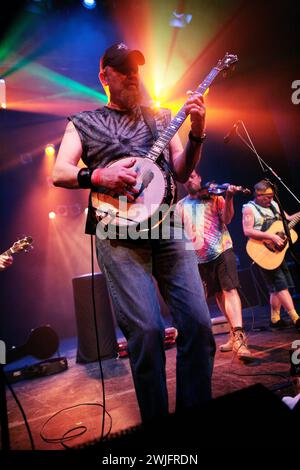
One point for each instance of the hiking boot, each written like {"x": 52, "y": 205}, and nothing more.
{"x": 280, "y": 325}
{"x": 227, "y": 346}
{"x": 240, "y": 345}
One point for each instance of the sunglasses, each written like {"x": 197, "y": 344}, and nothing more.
{"x": 126, "y": 68}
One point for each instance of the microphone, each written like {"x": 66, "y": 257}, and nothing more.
{"x": 230, "y": 134}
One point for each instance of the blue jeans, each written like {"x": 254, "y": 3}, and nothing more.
{"x": 128, "y": 267}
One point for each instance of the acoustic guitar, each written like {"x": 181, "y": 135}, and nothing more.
{"x": 266, "y": 253}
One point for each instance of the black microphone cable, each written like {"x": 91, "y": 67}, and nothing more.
{"x": 22, "y": 411}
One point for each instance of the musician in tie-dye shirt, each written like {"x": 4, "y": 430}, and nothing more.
{"x": 205, "y": 217}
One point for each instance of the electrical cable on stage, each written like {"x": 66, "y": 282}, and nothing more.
{"x": 22, "y": 412}
{"x": 81, "y": 428}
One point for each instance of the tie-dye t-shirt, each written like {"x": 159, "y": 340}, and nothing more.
{"x": 107, "y": 134}
{"x": 204, "y": 227}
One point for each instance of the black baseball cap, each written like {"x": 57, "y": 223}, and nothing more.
{"x": 118, "y": 54}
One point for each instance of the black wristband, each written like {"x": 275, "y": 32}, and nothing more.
{"x": 193, "y": 138}
{"x": 84, "y": 178}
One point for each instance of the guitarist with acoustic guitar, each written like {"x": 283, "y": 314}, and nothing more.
{"x": 267, "y": 245}
{"x": 133, "y": 157}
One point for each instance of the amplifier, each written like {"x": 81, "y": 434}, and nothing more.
{"x": 86, "y": 334}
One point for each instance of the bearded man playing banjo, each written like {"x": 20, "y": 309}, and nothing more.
{"x": 114, "y": 142}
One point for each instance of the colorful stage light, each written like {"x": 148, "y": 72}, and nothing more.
{"x": 180, "y": 20}
{"x": 156, "y": 104}
{"x": 26, "y": 158}
{"x": 2, "y": 94}
{"x": 75, "y": 210}
{"x": 89, "y": 4}
{"x": 50, "y": 150}
{"x": 62, "y": 210}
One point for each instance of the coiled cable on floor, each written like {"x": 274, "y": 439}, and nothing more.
{"x": 76, "y": 431}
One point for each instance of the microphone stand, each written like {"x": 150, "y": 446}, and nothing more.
{"x": 270, "y": 176}
{"x": 264, "y": 166}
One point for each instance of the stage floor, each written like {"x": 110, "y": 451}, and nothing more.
{"x": 80, "y": 390}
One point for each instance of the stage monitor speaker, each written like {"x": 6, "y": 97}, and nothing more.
{"x": 87, "y": 347}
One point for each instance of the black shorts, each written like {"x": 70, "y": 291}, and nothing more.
{"x": 220, "y": 273}
{"x": 277, "y": 279}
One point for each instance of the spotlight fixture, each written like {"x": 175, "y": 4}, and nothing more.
{"x": 180, "y": 20}
{"x": 75, "y": 210}
{"x": 66, "y": 210}
{"x": 26, "y": 158}
{"x": 89, "y": 4}
{"x": 50, "y": 150}
{"x": 62, "y": 210}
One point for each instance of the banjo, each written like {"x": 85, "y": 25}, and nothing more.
{"x": 156, "y": 188}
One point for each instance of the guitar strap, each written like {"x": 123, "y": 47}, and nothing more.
{"x": 267, "y": 219}
{"x": 150, "y": 121}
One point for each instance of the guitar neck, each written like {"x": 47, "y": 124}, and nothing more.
{"x": 7, "y": 252}
{"x": 179, "y": 119}
{"x": 294, "y": 221}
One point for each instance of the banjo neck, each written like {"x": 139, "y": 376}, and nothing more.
{"x": 167, "y": 135}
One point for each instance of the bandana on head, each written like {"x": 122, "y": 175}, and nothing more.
{"x": 265, "y": 192}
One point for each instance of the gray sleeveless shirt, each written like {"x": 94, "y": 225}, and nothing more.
{"x": 107, "y": 134}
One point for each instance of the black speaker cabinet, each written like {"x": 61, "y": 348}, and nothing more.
{"x": 86, "y": 348}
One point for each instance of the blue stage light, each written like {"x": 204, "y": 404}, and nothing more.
{"x": 90, "y": 4}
